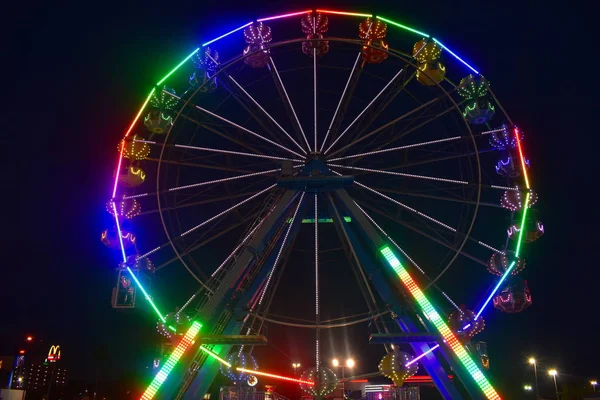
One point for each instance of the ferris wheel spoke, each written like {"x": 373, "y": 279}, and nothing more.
{"x": 408, "y": 146}
{"x": 267, "y": 114}
{"x": 315, "y": 94}
{"x": 410, "y": 129}
{"x": 205, "y": 183}
{"x": 414, "y": 176}
{"x": 199, "y": 203}
{"x": 273, "y": 67}
{"x": 227, "y": 210}
{"x": 423, "y": 215}
{"x": 342, "y": 97}
{"x": 364, "y": 110}
{"x": 196, "y": 165}
{"x": 221, "y": 151}
{"x": 401, "y": 250}
{"x": 204, "y": 242}
{"x": 387, "y": 125}
{"x": 422, "y": 233}
{"x": 441, "y": 159}
{"x": 222, "y": 134}
{"x": 428, "y": 196}
{"x": 231, "y": 123}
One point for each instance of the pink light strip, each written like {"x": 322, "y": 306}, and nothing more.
{"x": 284, "y": 16}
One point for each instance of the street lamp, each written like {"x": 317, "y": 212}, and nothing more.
{"x": 295, "y": 366}
{"x": 527, "y": 388}
{"x": 349, "y": 364}
{"x": 553, "y": 374}
{"x": 537, "y": 386}
{"x": 594, "y": 383}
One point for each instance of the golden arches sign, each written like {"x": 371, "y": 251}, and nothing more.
{"x": 54, "y": 353}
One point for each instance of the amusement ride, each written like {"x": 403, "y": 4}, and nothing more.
{"x": 327, "y": 132}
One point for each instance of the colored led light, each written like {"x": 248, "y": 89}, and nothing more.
{"x": 523, "y": 219}
{"x": 177, "y": 67}
{"x": 114, "y": 193}
{"x": 166, "y": 369}
{"x": 283, "y": 16}
{"x": 439, "y": 324}
{"x": 345, "y": 13}
{"x": 455, "y": 56}
{"x": 523, "y": 166}
{"x": 227, "y": 34}
{"x": 284, "y": 378}
{"x": 414, "y": 360}
{"x": 321, "y": 220}
{"x": 403, "y": 26}
{"x": 215, "y": 356}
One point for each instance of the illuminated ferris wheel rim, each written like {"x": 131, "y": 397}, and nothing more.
{"x": 404, "y": 56}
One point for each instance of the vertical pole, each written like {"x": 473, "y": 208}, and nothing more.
{"x": 556, "y": 387}
{"x": 537, "y": 387}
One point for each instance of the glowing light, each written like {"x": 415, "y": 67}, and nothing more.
{"x": 523, "y": 162}
{"x": 455, "y": 56}
{"x": 114, "y": 192}
{"x": 344, "y": 13}
{"x": 164, "y": 372}
{"x": 283, "y": 16}
{"x": 29, "y": 338}
{"x": 404, "y": 27}
{"x": 54, "y": 353}
{"x": 284, "y": 378}
{"x": 335, "y": 362}
{"x": 350, "y": 363}
{"x": 435, "y": 318}
{"x": 215, "y": 356}
{"x": 177, "y": 67}
{"x": 528, "y": 388}
{"x": 552, "y": 372}
{"x": 531, "y": 360}
{"x": 414, "y": 360}
{"x": 227, "y": 34}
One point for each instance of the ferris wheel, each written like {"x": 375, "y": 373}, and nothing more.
{"x": 327, "y": 132}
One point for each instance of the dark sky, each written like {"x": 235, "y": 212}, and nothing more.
{"x": 77, "y": 73}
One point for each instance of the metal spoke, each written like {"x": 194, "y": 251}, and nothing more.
{"x": 429, "y": 196}
{"x": 365, "y": 109}
{"x": 420, "y": 232}
{"x": 408, "y": 146}
{"x": 232, "y": 178}
{"x": 378, "y": 171}
{"x": 198, "y": 203}
{"x": 212, "y": 150}
{"x": 407, "y": 256}
{"x": 267, "y": 114}
{"x": 217, "y": 116}
{"x": 226, "y": 211}
{"x": 289, "y": 101}
{"x": 207, "y": 166}
{"x": 337, "y": 109}
{"x": 385, "y": 126}
{"x": 205, "y": 241}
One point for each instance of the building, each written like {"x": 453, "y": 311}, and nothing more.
{"x": 39, "y": 373}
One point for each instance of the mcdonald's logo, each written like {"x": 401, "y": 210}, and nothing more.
{"x": 54, "y": 353}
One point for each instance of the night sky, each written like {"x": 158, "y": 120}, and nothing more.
{"x": 77, "y": 73}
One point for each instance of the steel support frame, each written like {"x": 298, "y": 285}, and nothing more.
{"x": 370, "y": 236}
{"x": 220, "y": 300}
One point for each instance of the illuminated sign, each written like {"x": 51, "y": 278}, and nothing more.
{"x": 54, "y": 353}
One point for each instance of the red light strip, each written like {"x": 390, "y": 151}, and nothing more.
{"x": 522, "y": 158}
{"x": 284, "y": 378}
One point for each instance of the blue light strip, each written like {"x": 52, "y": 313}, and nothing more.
{"x": 227, "y": 34}
{"x": 455, "y": 56}
{"x": 508, "y": 270}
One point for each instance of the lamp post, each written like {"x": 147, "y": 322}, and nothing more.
{"x": 594, "y": 383}
{"x": 537, "y": 386}
{"x": 349, "y": 364}
{"x": 296, "y": 366}
{"x": 527, "y": 388}
{"x": 553, "y": 374}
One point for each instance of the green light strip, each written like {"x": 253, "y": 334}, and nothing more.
{"x": 177, "y": 67}
{"x": 520, "y": 241}
{"x": 166, "y": 369}
{"x": 215, "y": 356}
{"x": 402, "y": 26}
{"x": 433, "y": 316}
